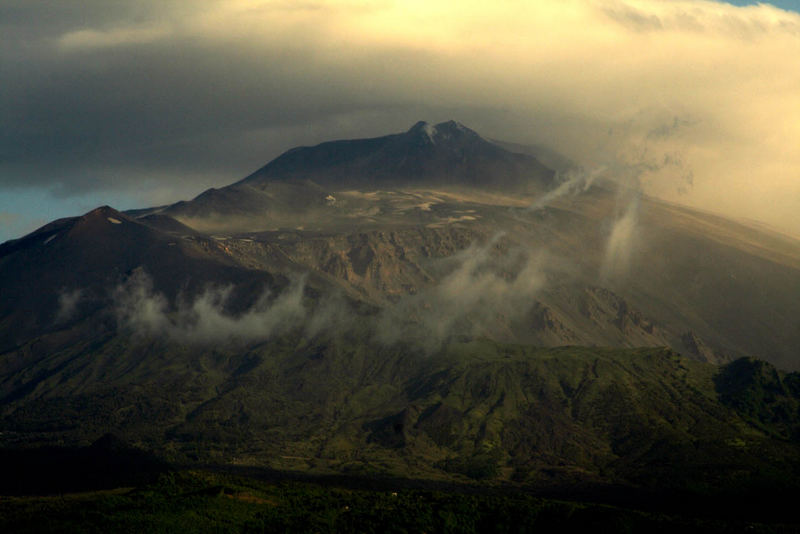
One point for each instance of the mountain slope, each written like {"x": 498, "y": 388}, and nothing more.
{"x": 66, "y": 272}
{"x": 712, "y": 288}
{"x": 445, "y": 155}
{"x": 709, "y": 287}
{"x": 405, "y": 305}
{"x": 478, "y": 410}
{"x": 448, "y": 153}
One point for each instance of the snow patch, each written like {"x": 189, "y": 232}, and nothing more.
{"x": 46, "y": 241}
{"x": 114, "y": 221}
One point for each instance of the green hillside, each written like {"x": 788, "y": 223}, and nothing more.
{"x": 476, "y": 411}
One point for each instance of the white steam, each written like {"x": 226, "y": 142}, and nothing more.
{"x": 573, "y": 181}
{"x": 68, "y": 304}
{"x": 621, "y": 242}
{"x": 485, "y": 285}
{"x": 204, "y": 320}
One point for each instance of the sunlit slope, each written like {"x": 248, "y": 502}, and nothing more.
{"x": 707, "y": 286}
{"x": 733, "y": 284}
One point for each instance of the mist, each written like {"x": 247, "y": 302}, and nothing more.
{"x": 203, "y": 319}
{"x": 68, "y": 301}
{"x": 479, "y": 289}
{"x": 482, "y": 283}
{"x": 621, "y": 242}
{"x": 571, "y": 182}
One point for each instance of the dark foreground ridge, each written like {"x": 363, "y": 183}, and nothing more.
{"x": 479, "y": 411}
{"x": 161, "y": 498}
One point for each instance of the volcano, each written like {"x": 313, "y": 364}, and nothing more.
{"x": 426, "y": 303}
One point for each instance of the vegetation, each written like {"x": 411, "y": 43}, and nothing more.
{"x": 761, "y": 394}
{"x": 201, "y": 501}
{"x": 480, "y": 436}
{"x": 476, "y": 411}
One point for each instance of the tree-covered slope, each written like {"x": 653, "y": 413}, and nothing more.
{"x": 475, "y": 410}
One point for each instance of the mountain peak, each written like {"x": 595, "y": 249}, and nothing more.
{"x": 433, "y": 155}
{"x": 444, "y": 131}
{"x": 106, "y": 214}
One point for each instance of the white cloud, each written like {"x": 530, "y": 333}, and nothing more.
{"x": 204, "y": 319}
{"x": 621, "y": 242}
{"x": 68, "y": 304}
{"x": 483, "y": 282}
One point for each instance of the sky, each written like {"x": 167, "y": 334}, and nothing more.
{"x": 140, "y": 103}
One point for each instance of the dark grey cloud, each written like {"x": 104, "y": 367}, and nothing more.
{"x": 181, "y": 108}
{"x": 173, "y": 106}
{"x": 186, "y": 110}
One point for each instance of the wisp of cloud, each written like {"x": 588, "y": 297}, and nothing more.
{"x": 203, "y": 319}
{"x": 571, "y": 182}
{"x": 484, "y": 283}
{"x": 621, "y": 242}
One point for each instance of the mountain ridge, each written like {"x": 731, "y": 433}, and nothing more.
{"x": 394, "y": 246}
{"x": 446, "y": 153}
{"x": 567, "y": 335}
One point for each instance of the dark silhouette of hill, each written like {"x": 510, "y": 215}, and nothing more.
{"x": 107, "y": 463}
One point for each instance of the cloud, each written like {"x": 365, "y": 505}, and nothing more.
{"x": 701, "y": 17}
{"x": 188, "y": 95}
{"x": 203, "y": 319}
{"x": 68, "y": 304}
{"x": 570, "y": 182}
{"x": 481, "y": 285}
{"x": 622, "y": 242}
{"x": 479, "y": 290}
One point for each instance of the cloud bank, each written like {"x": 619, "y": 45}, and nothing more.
{"x": 483, "y": 283}
{"x": 481, "y": 289}
{"x": 204, "y": 319}
{"x": 184, "y": 95}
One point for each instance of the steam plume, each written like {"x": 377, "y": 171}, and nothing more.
{"x": 621, "y": 242}
{"x": 574, "y": 181}
{"x": 484, "y": 284}
{"x": 67, "y": 304}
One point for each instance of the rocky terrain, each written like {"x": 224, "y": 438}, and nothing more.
{"x": 424, "y": 304}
